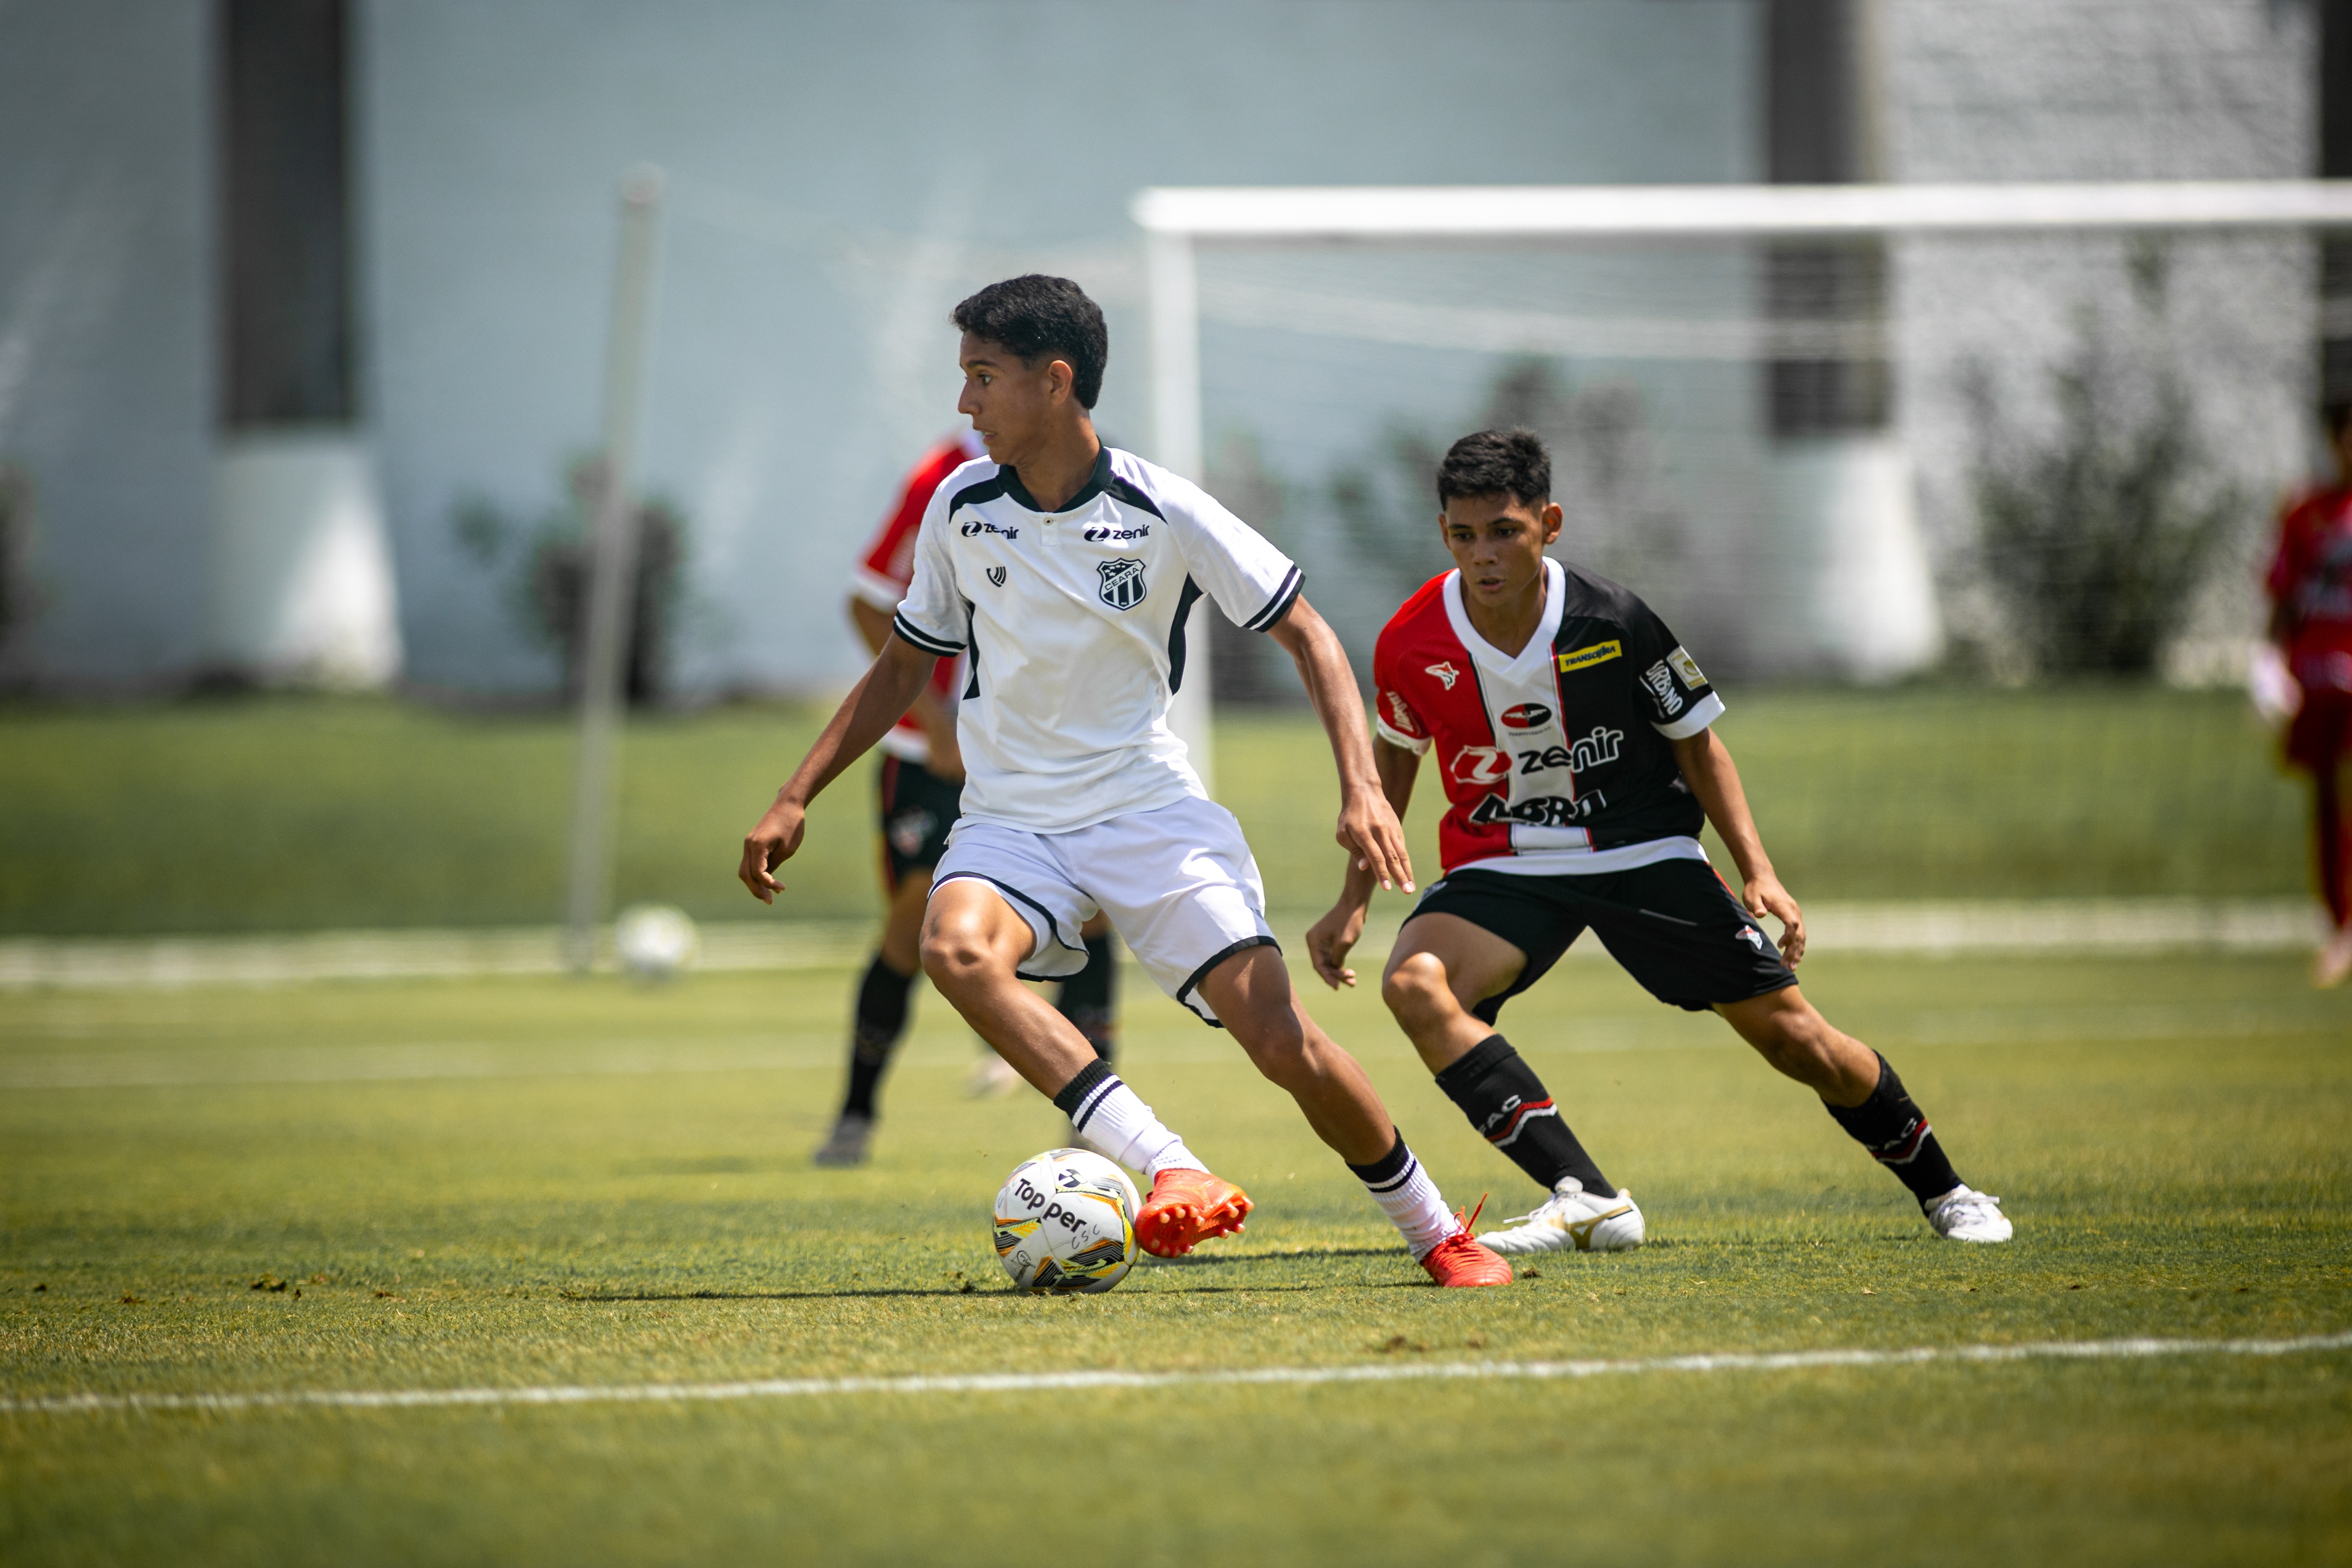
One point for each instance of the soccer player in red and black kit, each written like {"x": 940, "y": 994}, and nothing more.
{"x": 921, "y": 792}
{"x": 2310, "y": 587}
{"x": 1573, "y": 740}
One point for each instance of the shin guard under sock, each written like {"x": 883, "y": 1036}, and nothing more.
{"x": 1896, "y": 1133}
{"x": 1512, "y": 1109}
{"x": 881, "y": 1020}
{"x": 1085, "y": 999}
{"x": 1408, "y": 1196}
{"x": 1109, "y": 1115}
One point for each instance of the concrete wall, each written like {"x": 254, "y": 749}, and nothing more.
{"x": 2027, "y": 89}
{"x": 840, "y": 175}
{"x": 106, "y": 346}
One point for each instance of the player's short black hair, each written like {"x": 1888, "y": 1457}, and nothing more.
{"x": 2334, "y": 414}
{"x": 1035, "y": 316}
{"x": 1494, "y": 463}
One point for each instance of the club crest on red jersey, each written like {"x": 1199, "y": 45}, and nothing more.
{"x": 1445, "y": 672}
{"x": 1122, "y": 581}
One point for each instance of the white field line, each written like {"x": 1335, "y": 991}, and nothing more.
{"x": 2070, "y": 926}
{"x": 1290, "y": 1376}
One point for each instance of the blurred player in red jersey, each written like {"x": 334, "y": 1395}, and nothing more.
{"x": 921, "y": 783}
{"x": 2310, "y": 587}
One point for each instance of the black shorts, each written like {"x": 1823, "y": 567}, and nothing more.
{"x": 918, "y": 808}
{"x": 1674, "y": 925}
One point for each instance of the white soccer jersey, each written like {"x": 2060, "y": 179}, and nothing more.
{"x": 1075, "y": 621}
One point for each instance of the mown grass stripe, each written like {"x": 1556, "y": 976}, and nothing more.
{"x": 1031, "y": 1382}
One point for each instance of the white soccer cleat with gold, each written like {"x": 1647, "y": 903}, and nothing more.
{"x": 1965, "y": 1214}
{"x": 1572, "y": 1220}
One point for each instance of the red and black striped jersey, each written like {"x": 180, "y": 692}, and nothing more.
{"x": 1554, "y": 759}
{"x": 882, "y": 574}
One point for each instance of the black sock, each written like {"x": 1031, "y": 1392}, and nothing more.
{"x": 1086, "y": 996}
{"x": 1897, "y": 1134}
{"x": 1512, "y": 1109}
{"x": 881, "y": 1019}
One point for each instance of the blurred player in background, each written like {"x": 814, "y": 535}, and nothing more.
{"x": 1574, "y": 742}
{"x": 2310, "y": 587}
{"x": 921, "y": 785}
{"x": 1068, "y": 570}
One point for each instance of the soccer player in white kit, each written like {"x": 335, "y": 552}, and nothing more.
{"x": 1066, "y": 570}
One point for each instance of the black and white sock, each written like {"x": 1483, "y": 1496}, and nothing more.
{"x": 1408, "y": 1196}
{"x": 1114, "y": 1121}
{"x": 881, "y": 1021}
{"x": 1896, "y": 1133}
{"x": 1086, "y": 998}
{"x": 1511, "y": 1109}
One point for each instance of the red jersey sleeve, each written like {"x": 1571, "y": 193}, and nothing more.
{"x": 1394, "y": 718}
{"x": 2286, "y": 561}
{"x": 888, "y": 566}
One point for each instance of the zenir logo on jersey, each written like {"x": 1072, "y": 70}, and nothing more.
{"x": 1122, "y": 581}
{"x": 1599, "y": 653}
{"x": 973, "y": 525}
{"x": 996, "y": 575}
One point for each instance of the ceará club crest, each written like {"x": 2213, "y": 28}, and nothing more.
{"x": 1122, "y": 581}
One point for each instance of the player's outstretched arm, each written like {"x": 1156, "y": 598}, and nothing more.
{"x": 1707, "y": 768}
{"x": 880, "y": 697}
{"x": 1369, "y": 829}
{"x": 1330, "y": 939}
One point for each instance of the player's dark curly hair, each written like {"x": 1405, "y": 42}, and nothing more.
{"x": 1494, "y": 463}
{"x": 1036, "y": 316}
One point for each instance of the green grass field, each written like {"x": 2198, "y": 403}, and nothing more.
{"x": 523, "y": 1183}
{"x": 288, "y": 814}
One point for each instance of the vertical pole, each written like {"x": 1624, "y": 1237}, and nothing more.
{"x": 612, "y": 573}
{"x": 1174, "y": 291}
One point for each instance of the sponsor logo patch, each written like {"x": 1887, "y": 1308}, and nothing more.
{"x": 1122, "y": 581}
{"x": 1482, "y": 764}
{"x": 1444, "y": 672}
{"x": 1403, "y": 715}
{"x": 1102, "y": 533}
{"x": 974, "y": 526}
{"x": 1686, "y": 669}
{"x": 1599, "y": 653}
{"x": 1662, "y": 687}
{"x": 1527, "y": 716}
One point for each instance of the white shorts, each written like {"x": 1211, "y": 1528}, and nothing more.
{"x": 1179, "y": 882}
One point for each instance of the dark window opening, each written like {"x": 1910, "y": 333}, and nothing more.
{"x": 285, "y": 207}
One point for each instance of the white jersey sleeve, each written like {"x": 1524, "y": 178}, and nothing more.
{"x": 1251, "y": 582}
{"x": 935, "y": 616}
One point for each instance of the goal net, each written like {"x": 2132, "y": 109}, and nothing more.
{"x": 1856, "y": 432}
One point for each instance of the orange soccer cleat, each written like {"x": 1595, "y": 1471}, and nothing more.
{"x": 1186, "y": 1208}
{"x": 1459, "y": 1261}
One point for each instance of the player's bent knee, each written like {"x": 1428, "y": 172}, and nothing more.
{"x": 1417, "y": 987}
{"x": 957, "y": 959}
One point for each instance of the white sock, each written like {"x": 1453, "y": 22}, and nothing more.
{"x": 1409, "y": 1197}
{"x": 1114, "y": 1121}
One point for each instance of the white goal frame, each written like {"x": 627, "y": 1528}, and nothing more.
{"x": 1177, "y": 220}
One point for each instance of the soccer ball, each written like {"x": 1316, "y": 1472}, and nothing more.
{"x": 656, "y": 941}
{"x": 1066, "y": 1222}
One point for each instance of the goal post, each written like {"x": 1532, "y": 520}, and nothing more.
{"x": 1816, "y": 380}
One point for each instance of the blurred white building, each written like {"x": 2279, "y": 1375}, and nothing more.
{"x": 284, "y": 284}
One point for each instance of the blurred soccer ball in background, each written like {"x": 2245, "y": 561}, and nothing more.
{"x": 1066, "y": 1222}
{"x": 656, "y": 941}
